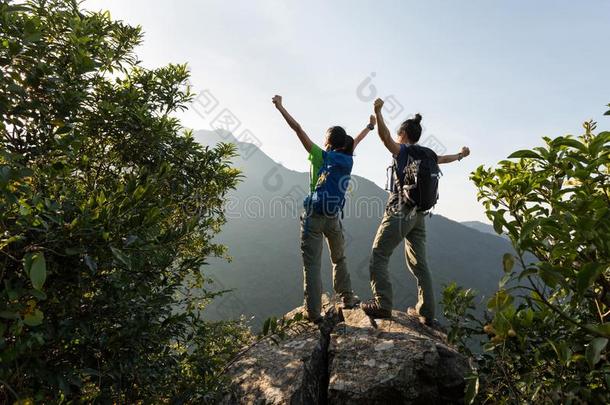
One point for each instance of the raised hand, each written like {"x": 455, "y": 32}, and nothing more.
{"x": 378, "y": 105}
{"x": 465, "y": 151}
{"x": 292, "y": 123}
{"x": 372, "y": 120}
{"x": 277, "y": 100}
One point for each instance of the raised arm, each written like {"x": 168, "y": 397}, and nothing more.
{"x": 383, "y": 131}
{"x": 452, "y": 158}
{"x": 365, "y": 131}
{"x": 292, "y": 123}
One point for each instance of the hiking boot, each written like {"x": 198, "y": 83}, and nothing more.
{"x": 350, "y": 301}
{"x": 433, "y": 323}
{"x": 312, "y": 318}
{"x": 372, "y": 309}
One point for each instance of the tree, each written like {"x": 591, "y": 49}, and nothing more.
{"x": 107, "y": 213}
{"x": 549, "y": 322}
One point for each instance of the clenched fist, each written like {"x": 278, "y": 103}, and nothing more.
{"x": 465, "y": 151}
{"x": 277, "y": 100}
{"x": 378, "y": 105}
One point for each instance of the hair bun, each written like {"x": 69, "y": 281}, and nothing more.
{"x": 417, "y": 118}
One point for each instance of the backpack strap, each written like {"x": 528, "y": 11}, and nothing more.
{"x": 308, "y": 200}
{"x": 389, "y": 179}
{"x": 397, "y": 177}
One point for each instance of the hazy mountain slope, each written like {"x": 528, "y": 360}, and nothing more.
{"x": 483, "y": 227}
{"x": 266, "y": 271}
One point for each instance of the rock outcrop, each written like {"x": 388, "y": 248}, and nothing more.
{"x": 351, "y": 359}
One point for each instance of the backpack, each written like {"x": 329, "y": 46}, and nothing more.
{"x": 417, "y": 185}
{"x": 328, "y": 197}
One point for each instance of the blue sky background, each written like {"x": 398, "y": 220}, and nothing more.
{"x": 496, "y": 76}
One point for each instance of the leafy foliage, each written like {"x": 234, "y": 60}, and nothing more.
{"x": 279, "y": 329}
{"x": 458, "y": 310}
{"x": 550, "y": 318}
{"x": 107, "y": 213}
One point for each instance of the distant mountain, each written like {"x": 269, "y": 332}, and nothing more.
{"x": 263, "y": 233}
{"x": 482, "y": 227}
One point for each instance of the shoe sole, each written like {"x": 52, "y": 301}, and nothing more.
{"x": 378, "y": 315}
{"x": 351, "y": 306}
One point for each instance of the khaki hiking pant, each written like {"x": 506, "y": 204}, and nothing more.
{"x": 314, "y": 227}
{"x": 409, "y": 225}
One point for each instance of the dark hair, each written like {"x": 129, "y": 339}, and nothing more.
{"x": 412, "y": 128}
{"x": 348, "y": 146}
{"x": 335, "y": 137}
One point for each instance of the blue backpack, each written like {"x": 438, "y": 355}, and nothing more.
{"x": 328, "y": 197}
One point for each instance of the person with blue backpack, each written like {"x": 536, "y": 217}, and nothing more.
{"x": 413, "y": 192}
{"x": 330, "y": 173}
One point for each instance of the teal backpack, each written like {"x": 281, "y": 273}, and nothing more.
{"x": 328, "y": 197}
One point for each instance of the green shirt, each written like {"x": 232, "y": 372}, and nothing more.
{"x": 316, "y": 157}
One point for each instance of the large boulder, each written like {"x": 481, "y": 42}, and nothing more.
{"x": 351, "y": 359}
{"x": 397, "y": 361}
{"x": 293, "y": 370}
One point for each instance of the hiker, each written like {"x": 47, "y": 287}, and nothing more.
{"x": 413, "y": 192}
{"x": 330, "y": 171}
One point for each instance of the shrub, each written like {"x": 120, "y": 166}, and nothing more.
{"x": 550, "y": 318}
{"x": 107, "y": 213}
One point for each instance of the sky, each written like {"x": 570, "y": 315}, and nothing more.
{"x": 494, "y": 76}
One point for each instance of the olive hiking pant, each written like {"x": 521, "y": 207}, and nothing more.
{"x": 408, "y": 225}
{"x": 314, "y": 227}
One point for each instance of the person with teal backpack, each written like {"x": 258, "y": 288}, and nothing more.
{"x": 330, "y": 173}
{"x": 328, "y": 196}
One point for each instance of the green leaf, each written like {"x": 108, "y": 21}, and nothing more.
{"x": 64, "y": 129}
{"x": 565, "y": 353}
{"x": 587, "y": 276}
{"x": 9, "y": 315}
{"x": 594, "y": 350}
{"x": 38, "y": 271}
{"x": 563, "y": 141}
{"x": 550, "y": 275}
{"x": 508, "y": 261}
{"x": 505, "y": 279}
{"x": 31, "y": 32}
{"x": 121, "y": 257}
{"x": 15, "y": 8}
{"x": 527, "y": 272}
{"x": 139, "y": 192}
{"x": 500, "y": 300}
{"x": 525, "y": 153}
{"x": 73, "y": 251}
{"x": 40, "y": 295}
{"x": 34, "y": 318}
{"x": 24, "y": 209}
{"x": 266, "y": 326}
{"x": 562, "y": 350}
{"x": 472, "y": 389}
{"x": 90, "y": 263}
{"x": 90, "y": 371}
{"x": 602, "y": 329}
{"x": 27, "y": 263}
{"x": 498, "y": 221}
